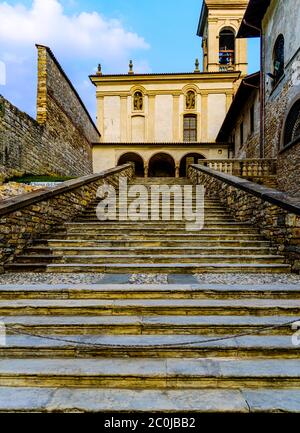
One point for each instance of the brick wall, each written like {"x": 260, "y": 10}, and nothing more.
{"x": 24, "y": 218}
{"x": 59, "y": 142}
{"x": 274, "y": 213}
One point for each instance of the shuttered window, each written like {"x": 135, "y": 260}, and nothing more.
{"x": 190, "y": 128}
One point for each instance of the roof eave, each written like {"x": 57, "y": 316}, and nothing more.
{"x": 202, "y": 20}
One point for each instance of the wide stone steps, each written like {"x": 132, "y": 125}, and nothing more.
{"x": 146, "y": 346}
{"x": 241, "y": 307}
{"x": 147, "y": 259}
{"x": 244, "y": 400}
{"x": 149, "y": 291}
{"x": 150, "y": 373}
{"x": 84, "y": 347}
{"x": 74, "y": 251}
{"x": 145, "y": 268}
{"x": 210, "y": 326}
{"x": 155, "y": 243}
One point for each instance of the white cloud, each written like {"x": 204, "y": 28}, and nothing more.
{"x": 86, "y": 34}
{"x": 79, "y": 41}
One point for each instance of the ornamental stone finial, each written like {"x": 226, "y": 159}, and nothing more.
{"x": 197, "y": 64}
{"x": 99, "y": 70}
{"x": 131, "y": 68}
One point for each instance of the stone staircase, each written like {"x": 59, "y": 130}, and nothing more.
{"x": 88, "y": 245}
{"x": 150, "y": 347}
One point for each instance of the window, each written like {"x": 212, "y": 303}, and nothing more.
{"x": 190, "y": 128}
{"x": 252, "y": 119}
{"x": 292, "y": 125}
{"x": 241, "y": 134}
{"x": 278, "y": 59}
{"x": 227, "y": 48}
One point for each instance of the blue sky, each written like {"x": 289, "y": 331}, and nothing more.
{"x": 158, "y": 36}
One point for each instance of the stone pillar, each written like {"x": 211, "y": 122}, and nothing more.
{"x": 123, "y": 132}
{"x": 146, "y": 170}
{"x": 177, "y": 170}
{"x": 151, "y": 119}
{"x": 176, "y": 136}
{"x": 100, "y": 116}
{"x": 204, "y": 117}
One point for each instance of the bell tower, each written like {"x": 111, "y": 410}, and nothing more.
{"x": 218, "y": 26}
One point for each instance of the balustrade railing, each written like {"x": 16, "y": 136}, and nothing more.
{"x": 248, "y": 168}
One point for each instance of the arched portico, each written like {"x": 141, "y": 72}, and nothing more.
{"x": 161, "y": 165}
{"x": 190, "y": 158}
{"x": 136, "y": 159}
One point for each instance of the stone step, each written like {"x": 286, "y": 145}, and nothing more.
{"x": 163, "y": 230}
{"x": 243, "y": 400}
{"x": 147, "y": 346}
{"x": 52, "y": 243}
{"x": 212, "y": 307}
{"x": 71, "y": 251}
{"x": 145, "y": 222}
{"x": 213, "y": 235}
{"x": 169, "y": 373}
{"x": 138, "y": 268}
{"x": 151, "y": 325}
{"x": 237, "y": 258}
{"x": 150, "y": 291}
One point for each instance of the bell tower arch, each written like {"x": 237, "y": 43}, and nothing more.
{"x": 218, "y": 26}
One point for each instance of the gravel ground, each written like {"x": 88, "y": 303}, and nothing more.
{"x": 95, "y": 278}
{"x": 149, "y": 279}
{"x": 248, "y": 278}
{"x": 45, "y": 278}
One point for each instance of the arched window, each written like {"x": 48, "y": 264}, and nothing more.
{"x": 292, "y": 125}
{"x": 278, "y": 59}
{"x": 190, "y": 128}
{"x": 227, "y": 47}
{"x": 190, "y": 100}
{"x": 138, "y": 101}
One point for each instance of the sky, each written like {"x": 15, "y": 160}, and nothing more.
{"x": 158, "y": 35}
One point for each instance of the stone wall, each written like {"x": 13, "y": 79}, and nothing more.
{"x": 22, "y": 219}
{"x": 250, "y": 147}
{"x": 282, "y": 17}
{"x": 289, "y": 169}
{"x": 276, "y": 214}
{"x": 59, "y": 142}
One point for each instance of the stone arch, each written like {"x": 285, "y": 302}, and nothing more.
{"x": 136, "y": 159}
{"x": 187, "y": 160}
{"x": 291, "y": 130}
{"x": 162, "y": 165}
{"x": 227, "y": 48}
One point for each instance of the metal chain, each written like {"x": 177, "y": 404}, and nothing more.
{"x": 122, "y": 346}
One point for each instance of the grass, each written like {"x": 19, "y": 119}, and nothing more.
{"x": 28, "y": 178}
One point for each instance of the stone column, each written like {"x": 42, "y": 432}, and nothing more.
{"x": 151, "y": 119}
{"x": 176, "y": 137}
{"x": 204, "y": 117}
{"x": 177, "y": 170}
{"x": 146, "y": 170}
{"x": 123, "y": 131}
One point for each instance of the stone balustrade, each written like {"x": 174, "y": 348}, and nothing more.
{"x": 25, "y": 217}
{"x": 249, "y": 168}
{"x": 275, "y": 213}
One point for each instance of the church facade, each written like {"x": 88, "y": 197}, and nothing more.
{"x": 164, "y": 122}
